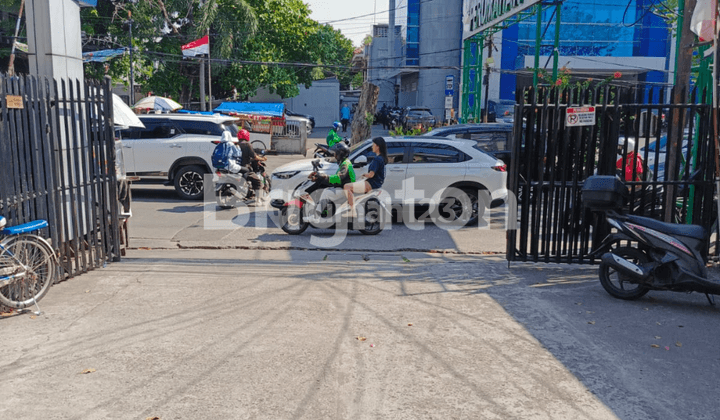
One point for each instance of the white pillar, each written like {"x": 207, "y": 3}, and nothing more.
{"x": 54, "y": 42}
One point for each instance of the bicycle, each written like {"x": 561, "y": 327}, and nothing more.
{"x": 27, "y": 265}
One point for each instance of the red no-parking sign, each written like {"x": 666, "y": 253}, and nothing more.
{"x": 580, "y": 116}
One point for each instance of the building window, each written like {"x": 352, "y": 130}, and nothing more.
{"x": 380, "y": 32}
{"x": 412, "y": 57}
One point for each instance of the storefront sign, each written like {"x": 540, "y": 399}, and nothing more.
{"x": 578, "y": 117}
{"x": 482, "y": 14}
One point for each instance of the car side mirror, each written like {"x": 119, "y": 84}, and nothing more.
{"x": 360, "y": 161}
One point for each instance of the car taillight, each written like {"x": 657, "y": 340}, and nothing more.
{"x": 500, "y": 168}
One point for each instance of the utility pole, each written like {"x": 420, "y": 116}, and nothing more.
{"x": 682, "y": 82}
{"x": 202, "y": 84}
{"x": 11, "y": 64}
{"x": 391, "y": 43}
{"x": 132, "y": 76}
{"x": 210, "y": 104}
{"x": 487, "y": 76}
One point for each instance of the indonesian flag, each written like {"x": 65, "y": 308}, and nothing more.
{"x": 703, "y": 19}
{"x": 197, "y": 47}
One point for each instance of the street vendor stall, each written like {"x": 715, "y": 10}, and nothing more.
{"x": 266, "y": 122}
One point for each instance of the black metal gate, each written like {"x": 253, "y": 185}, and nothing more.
{"x": 552, "y": 157}
{"x": 57, "y": 154}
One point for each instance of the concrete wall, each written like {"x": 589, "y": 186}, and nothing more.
{"x": 440, "y": 46}
{"x": 321, "y": 101}
{"x": 381, "y": 70}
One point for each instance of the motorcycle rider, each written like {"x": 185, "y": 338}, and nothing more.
{"x": 249, "y": 158}
{"x": 227, "y": 155}
{"x": 633, "y": 161}
{"x": 333, "y": 138}
{"x": 373, "y": 179}
{"x": 345, "y": 173}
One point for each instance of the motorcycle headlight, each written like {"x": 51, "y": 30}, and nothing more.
{"x": 285, "y": 175}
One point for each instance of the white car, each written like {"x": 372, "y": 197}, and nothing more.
{"x": 178, "y": 146}
{"x": 418, "y": 169}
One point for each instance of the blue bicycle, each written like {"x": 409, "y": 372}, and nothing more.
{"x": 27, "y": 264}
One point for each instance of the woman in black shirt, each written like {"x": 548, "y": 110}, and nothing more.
{"x": 375, "y": 176}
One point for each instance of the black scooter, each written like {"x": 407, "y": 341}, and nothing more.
{"x": 644, "y": 254}
{"x": 323, "y": 150}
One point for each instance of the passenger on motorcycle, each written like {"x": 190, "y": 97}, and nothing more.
{"x": 345, "y": 173}
{"x": 373, "y": 179}
{"x": 227, "y": 155}
{"x": 249, "y": 158}
{"x": 333, "y": 138}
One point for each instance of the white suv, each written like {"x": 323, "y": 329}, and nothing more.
{"x": 177, "y": 146}
{"x": 437, "y": 166}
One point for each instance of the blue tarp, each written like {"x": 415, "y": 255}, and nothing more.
{"x": 185, "y": 111}
{"x": 269, "y": 109}
{"x": 102, "y": 55}
{"x": 87, "y": 3}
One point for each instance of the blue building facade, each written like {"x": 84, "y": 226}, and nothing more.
{"x": 596, "y": 30}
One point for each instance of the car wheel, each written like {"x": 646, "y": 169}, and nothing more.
{"x": 459, "y": 207}
{"x": 189, "y": 182}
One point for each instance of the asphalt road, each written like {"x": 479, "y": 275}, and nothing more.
{"x": 162, "y": 220}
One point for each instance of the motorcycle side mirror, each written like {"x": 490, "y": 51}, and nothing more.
{"x": 360, "y": 161}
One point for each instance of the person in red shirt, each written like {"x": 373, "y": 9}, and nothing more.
{"x": 633, "y": 161}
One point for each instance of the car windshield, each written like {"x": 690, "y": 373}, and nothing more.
{"x": 419, "y": 113}
{"x": 231, "y": 127}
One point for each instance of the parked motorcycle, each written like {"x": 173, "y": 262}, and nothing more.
{"x": 233, "y": 188}
{"x": 323, "y": 151}
{"x": 644, "y": 254}
{"x": 297, "y": 213}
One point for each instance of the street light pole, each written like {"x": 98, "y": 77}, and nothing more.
{"x": 132, "y": 77}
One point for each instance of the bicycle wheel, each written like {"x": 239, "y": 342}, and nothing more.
{"x": 38, "y": 267}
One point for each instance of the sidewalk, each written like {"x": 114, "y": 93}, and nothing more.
{"x": 274, "y": 335}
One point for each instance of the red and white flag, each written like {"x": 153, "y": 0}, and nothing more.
{"x": 197, "y": 47}
{"x": 703, "y": 19}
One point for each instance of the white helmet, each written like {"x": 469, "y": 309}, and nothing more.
{"x": 621, "y": 145}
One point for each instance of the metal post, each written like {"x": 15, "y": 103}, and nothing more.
{"x": 556, "y": 48}
{"x": 210, "y": 104}
{"x": 202, "y": 84}
{"x": 478, "y": 80}
{"x": 132, "y": 76}
{"x": 538, "y": 43}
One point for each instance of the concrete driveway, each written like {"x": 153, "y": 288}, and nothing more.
{"x": 240, "y": 334}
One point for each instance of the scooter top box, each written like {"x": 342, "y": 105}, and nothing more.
{"x": 602, "y": 192}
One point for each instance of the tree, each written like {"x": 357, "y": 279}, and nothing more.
{"x": 242, "y": 33}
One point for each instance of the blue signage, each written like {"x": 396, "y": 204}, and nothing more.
{"x": 87, "y": 3}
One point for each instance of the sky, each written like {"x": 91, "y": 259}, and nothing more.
{"x": 355, "y": 28}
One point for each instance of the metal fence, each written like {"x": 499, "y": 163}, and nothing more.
{"x": 58, "y": 163}
{"x": 289, "y": 138}
{"x": 552, "y": 157}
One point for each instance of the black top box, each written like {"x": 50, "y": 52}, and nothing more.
{"x": 602, "y": 192}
